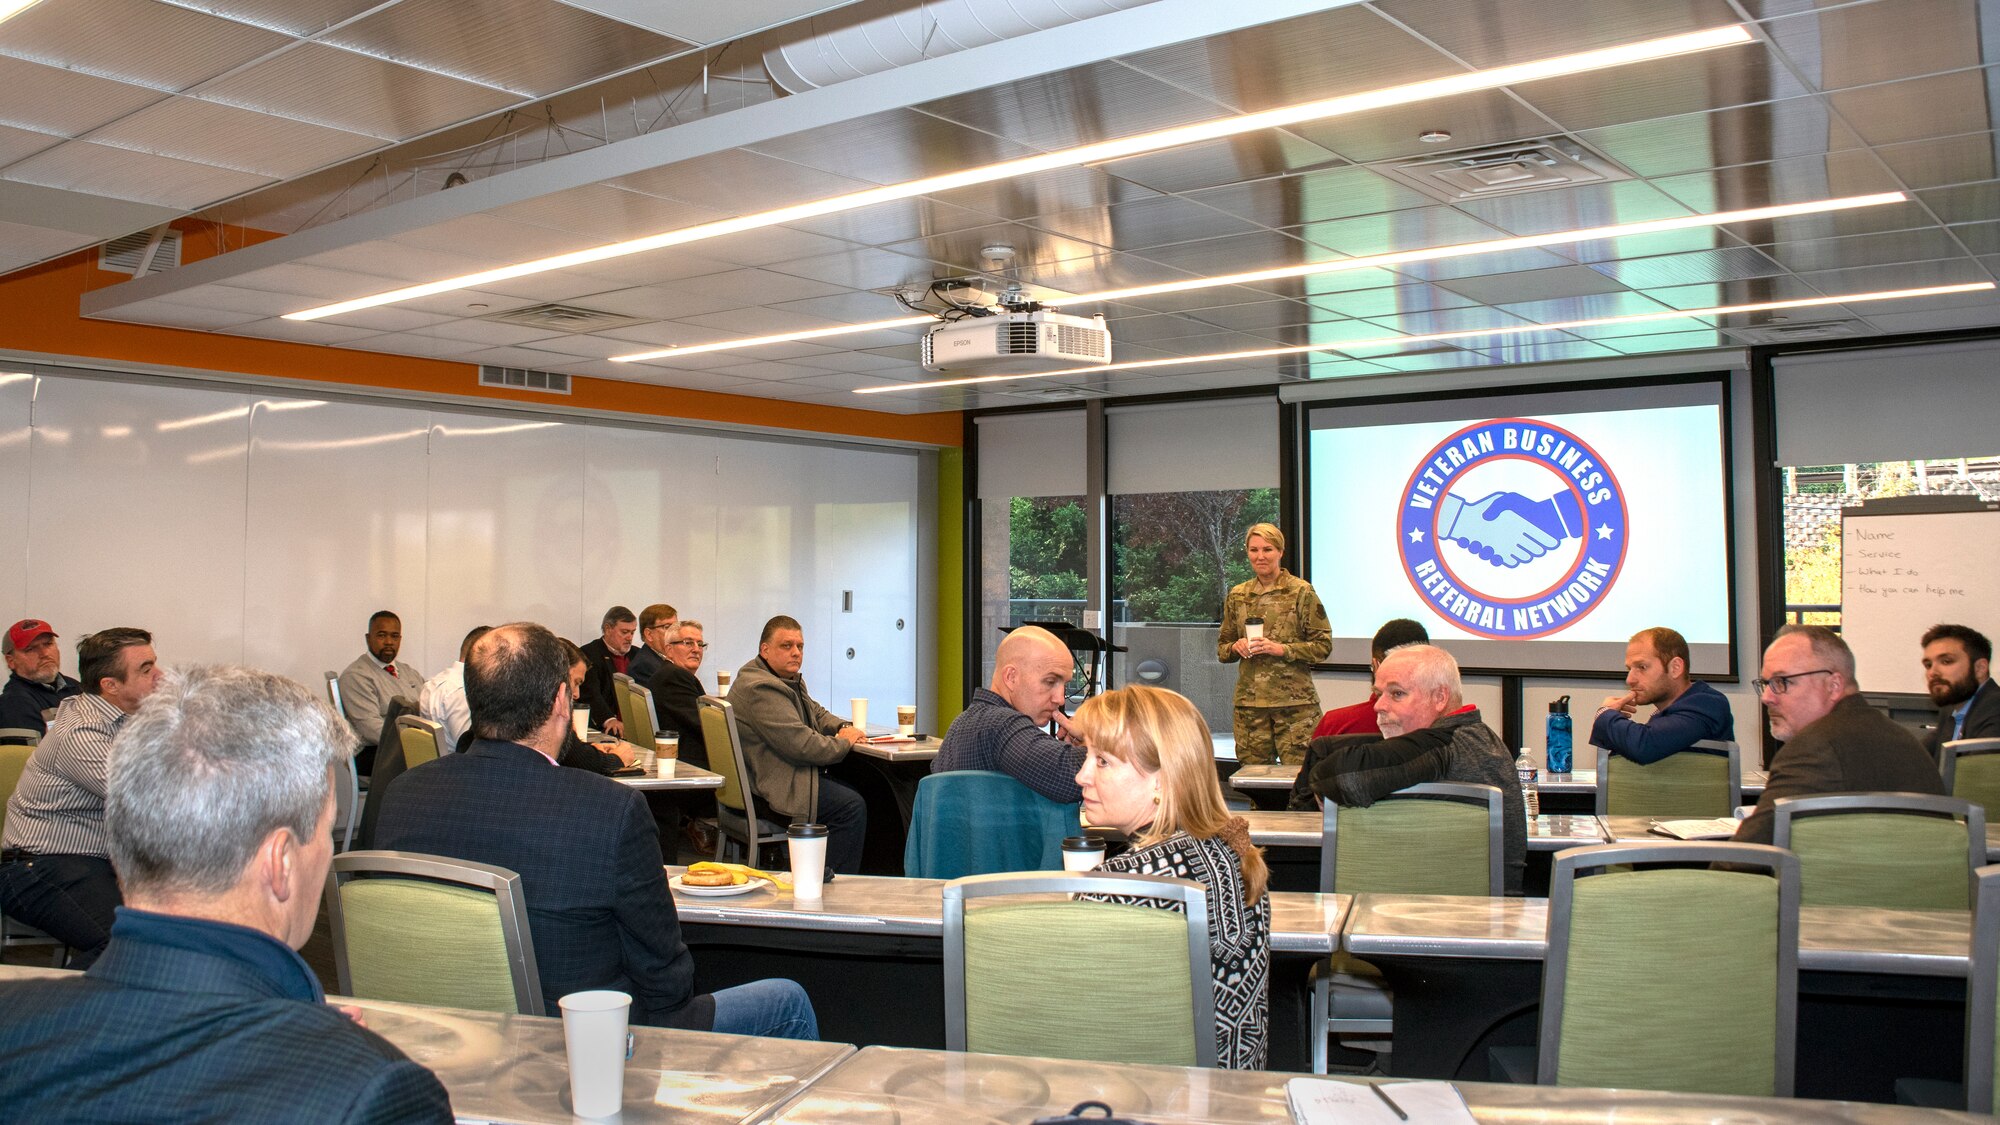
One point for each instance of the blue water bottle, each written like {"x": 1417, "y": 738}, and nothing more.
{"x": 1559, "y": 757}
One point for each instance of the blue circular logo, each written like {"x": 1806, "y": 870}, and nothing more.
{"x": 1512, "y": 528}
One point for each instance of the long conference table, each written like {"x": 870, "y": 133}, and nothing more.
{"x": 512, "y": 1068}
{"x": 1269, "y": 785}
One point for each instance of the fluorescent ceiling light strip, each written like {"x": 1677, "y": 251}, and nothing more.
{"x": 11, "y": 8}
{"x": 1087, "y": 154}
{"x": 1463, "y": 249}
{"x": 1388, "y": 341}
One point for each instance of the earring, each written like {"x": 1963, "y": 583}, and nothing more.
{"x": 1156, "y": 796}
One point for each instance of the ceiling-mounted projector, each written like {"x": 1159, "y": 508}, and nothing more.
{"x": 1017, "y": 343}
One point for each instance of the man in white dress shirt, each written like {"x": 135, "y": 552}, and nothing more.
{"x": 443, "y": 697}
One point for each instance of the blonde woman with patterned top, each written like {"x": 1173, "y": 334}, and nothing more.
{"x": 1275, "y": 625}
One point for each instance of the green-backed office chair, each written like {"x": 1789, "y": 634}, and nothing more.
{"x": 424, "y": 929}
{"x": 1705, "y": 780}
{"x": 19, "y": 935}
{"x": 1614, "y": 1010}
{"x": 1439, "y": 838}
{"x": 20, "y": 736}
{"x": 736, "y": 799}
{"x": 1907, "y": 851}
{"x": 421, "y": 740}
{"x": 1015, "y": 973}
{"x": 1971, "y": 769}
{"x": 1982, "y": 1014}
{"x": 347, "y": 798}
{"x": 635, "y": 710}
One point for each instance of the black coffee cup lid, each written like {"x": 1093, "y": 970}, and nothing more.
{"x": 806, "y": 831}
{"x": 1083, "y": 844}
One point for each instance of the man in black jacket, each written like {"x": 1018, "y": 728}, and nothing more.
{"x": 608, "y": 655}
{"x": 1957, "y": 660}
{"x": 677, "y": 688}
{"x": 584, "y": 846}
{"x": 35, "y": 684}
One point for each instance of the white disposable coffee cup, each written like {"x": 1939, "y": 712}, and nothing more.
{"x": 808, "y": 847}
{"x": 667, "y": 766}
{"x": 1253, "y": 629}
{"x": 579, "y": 721}
{"x": 1082, "y": 853}
{"x": 721, "y": 683}
{"x": 857, "y": 713}
{"x": 669, "y": 744}
{"x": 594, "y": 1026}
{"x": 906, "y": 719}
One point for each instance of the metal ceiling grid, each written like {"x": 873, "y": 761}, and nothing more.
{"x": 1738, "y": 127}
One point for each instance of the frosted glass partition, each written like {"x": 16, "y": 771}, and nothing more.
{"x": 252, "y": 528}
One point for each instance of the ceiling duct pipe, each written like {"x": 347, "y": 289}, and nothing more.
{"x": 872, "y": 37}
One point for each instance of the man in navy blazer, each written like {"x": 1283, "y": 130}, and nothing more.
{"x": 585, "y": 847}
{"x": 219, "y": 815}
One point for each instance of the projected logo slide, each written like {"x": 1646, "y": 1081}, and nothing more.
{"x": 1512, "y": 528}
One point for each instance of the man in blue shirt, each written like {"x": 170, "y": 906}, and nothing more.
{"x": 1956, "y": 661}
{"x": 218, "y": 811}
{"x": 1687, "y": 711}
{"x": 1001, "y": 729}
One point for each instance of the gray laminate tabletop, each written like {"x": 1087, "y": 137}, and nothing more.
{"x": 923, "y": 1087}
{"x": 1584, "y": 781}
{"x": 675, "y": 774}
{"x": 1270, "y": 828}
{"x": 1839, "y": 939}
{"x": 1274, "y": 775}
{"x": 879, "y": 904}
{"x": 922, "y": 750}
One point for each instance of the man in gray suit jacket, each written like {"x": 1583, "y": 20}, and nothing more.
{"x": 789, "y": 740}
{"x": 1956, "y": 661}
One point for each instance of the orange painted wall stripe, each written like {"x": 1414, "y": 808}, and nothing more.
{"x": 41, "y": 315}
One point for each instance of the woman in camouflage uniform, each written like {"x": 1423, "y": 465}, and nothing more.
{"x": 1276, "y": 705}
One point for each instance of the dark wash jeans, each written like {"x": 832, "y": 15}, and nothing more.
{"x": 69, "y": 897}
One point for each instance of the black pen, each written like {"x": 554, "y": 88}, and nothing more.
{"x": 1390, "y": 1102}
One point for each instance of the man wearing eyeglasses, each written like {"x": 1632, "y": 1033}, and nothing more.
{"x": 1834, "y": 742}
{"x": 656, "y": 628}
{"x": 676, "y": 687}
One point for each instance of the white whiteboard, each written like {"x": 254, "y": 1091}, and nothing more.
{"x": 1901, "y": 574}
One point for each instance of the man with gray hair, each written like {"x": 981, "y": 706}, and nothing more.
{"x": 1429, "y": 734}
{"x": 1834, "y": 742}
{"x": 219, "y": 811}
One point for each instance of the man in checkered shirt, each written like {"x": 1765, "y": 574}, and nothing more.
{"x": 1001, "y": 729}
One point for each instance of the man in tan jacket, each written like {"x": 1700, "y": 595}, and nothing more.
{"x": 789, "y": 740}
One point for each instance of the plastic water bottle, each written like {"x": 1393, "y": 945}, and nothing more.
{"x": 1531, "y": 794}
{"x": 1558, "y": 742}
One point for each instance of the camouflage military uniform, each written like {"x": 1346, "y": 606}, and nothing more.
{"x": 1276, "y": 705}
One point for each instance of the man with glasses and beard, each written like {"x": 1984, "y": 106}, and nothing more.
{"x": 1956, "y": 660}
{"x": 1834, "y": 742}
{"x": 37, "y": 684}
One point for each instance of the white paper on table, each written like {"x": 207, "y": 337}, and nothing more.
{"x": 1327, "y": 1101}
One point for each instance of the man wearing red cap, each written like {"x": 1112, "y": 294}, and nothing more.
{"x": 37, "y": 684}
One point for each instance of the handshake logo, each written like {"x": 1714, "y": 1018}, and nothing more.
{"x": 1512, "y": 528}
{"x": 1508, "y": 529}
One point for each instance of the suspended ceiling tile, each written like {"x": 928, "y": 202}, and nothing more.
{"x": 1080, "y": 106}
{"x": 532, "y": 47}
{"x": 1733, "y": 76}
{"x": 862, "y": 361}
{"x": 293, "y": 17}
{"x": 708, "y": 23}
{"x": 737, "y": 182}
{"x": 1938, "y": 106}
{"x": 487, "y": 333}
{"x": 1965, "y": 203}
{"x": 1231, "y": 160}
{"x": 487, "y": 235}
{"x": 963, "y": 251}
{"x": 1145, "y": 223}
{"x": 1751, "y": 291}
{"x": 1907, "y": 275}
{"x": 1235, "y": 254}
{"x": 1045, "y": 193}
{"x": 1664, "y": 325}
{"x": 1534, "y": 285}
{"x": 771, "y": 371}
{"x": 844, "y": 308}
{"x": 771, "y": 246}
{"x": 135, "y": 41}
{"x": 1648, "y": 245}
{"x": 1575, "y": 208}
{"x": 248, "y": 300}
{"x": 137, "y": 176}
{"x": 1801, "y": 179}
{"x": 891, "y": 148}
{"x": 1486, "y": 35}
{"x": 52, "y": 100}
{"x": 1945, "y": 160}
{"x": 202, "y": 318}
{"x": 1506, "y": 261}
{"x": 17, "y": 143}
{"x": 1556, "y": 351}
{"x": 1347, "y": 50}
{"x": 864, "y": 268}
{"x": 1391, "y": 300}
{"x": 1486, "y": 117}
{"x": 1311, "y": 197}
{"x": 534, "y": 359}
{"x": 1447, "y": 320}
{"x": 1937, "y": 320}
{"x": 1660, "y": 343}
{"x": 343, "y": 90}
{"x": 1730, "y": 264}
{"x": 1662, "y": 146}
{"x": 1920, "y": 245}
{"x": 1867, "y": 43}
{"x": 314, "y": 281}
{"x": 885, "y": 224}
{"x": 308, "y": 332}
{"x": 1980, "y": 238}
{"x": 1261, "y": 317}
{"x": 743, "y": 288}
{"x": 672, "y": 301}
{"x": 598, "y": 213}
{"x": 22, "y": 244}
{"x": 228, "y": 137}
{"x": 404, "y": 264}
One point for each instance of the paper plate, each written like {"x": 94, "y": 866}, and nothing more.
{"x": 717, "y": 892}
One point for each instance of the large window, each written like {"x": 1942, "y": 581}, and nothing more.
{"x": 1174, "y": 556}
{"x": 1034, "y": 566}
{"x": 1815, "y": 495}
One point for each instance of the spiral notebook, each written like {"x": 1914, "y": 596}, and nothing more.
{"x": 1328, "y": 1101}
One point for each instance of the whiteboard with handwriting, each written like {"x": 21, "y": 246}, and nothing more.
{"x": 1901, "y": 574}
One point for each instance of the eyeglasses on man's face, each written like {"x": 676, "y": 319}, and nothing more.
{"x": 697, "y": 644}
{"x": 1779, "y": 685}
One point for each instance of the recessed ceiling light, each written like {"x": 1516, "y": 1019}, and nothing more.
{"x": 1434, "y": 136}
{"x": 1401, "y": 257}
{"x": 1087, "y": 154}
{"x": 1388, "y": 341}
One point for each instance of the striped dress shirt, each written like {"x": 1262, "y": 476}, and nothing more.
{"x": 58, "y": 808}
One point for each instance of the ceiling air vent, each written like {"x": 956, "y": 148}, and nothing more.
{"x": 124, "y": 255}
{"x": 522, "y": 379}
{"x": 1792, "y": 333}
{"x": 564, "y": 318}
{"x": 1535, "y": 165}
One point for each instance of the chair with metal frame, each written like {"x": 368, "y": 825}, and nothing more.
{"x": 1971, "y": 769}
{"x": 347, "y": 803}
{"x": 20, "y": 736}
{"x": 426, "y": 929}
{"x": 1014, "y": 971}
{"x": 1906, "y": 851}
{"x": 20, "y": 935}
{"x": 1440, "y": 838}
{"x": 422, "y": 740}
{"x": 1704, "y": 780}
{"x": 636, "y": 711}
{"x": 1620, "y": 914}
{"x": 736, "y": 816}
{"x": 1982, "y": 1013}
